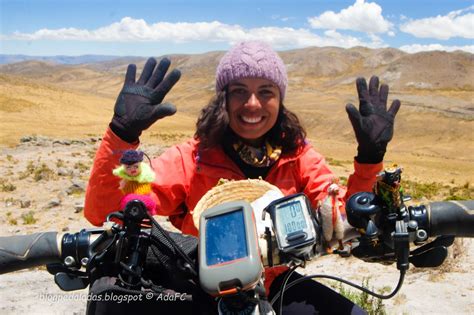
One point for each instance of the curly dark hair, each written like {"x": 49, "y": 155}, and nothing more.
{"x": 213, "y": 125}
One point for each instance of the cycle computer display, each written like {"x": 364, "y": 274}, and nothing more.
{"x": 292, "y": 222}
{"x": 229, "y": 256}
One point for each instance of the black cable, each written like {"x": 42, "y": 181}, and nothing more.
{"x": 174, "y": 245}
{"x": 282, "y": 290}
{"x": 380, "y": 296}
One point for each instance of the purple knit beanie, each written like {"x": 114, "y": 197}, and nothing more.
{"x": 251, "y": 60}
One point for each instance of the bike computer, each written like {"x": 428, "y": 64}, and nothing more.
{"x": 292, "y": 223}
{"x": 229, "y": 256}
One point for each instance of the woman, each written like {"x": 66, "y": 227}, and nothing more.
{"x": 244, "y": 132}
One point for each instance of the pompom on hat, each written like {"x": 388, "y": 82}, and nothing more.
{"x": 252, "y": 59}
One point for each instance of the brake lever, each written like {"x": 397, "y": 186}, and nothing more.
{"x": 433, "y": 257}
{"x": 432, "y": 254}
{"x": 444, "y": 240}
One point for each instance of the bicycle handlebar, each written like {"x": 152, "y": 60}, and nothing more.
{"x": 26, "y": 251}
{"x": 20, "y": 252}
{"x": 451, "y": 218}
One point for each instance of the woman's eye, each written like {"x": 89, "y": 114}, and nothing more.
{"x": 238, "y": 91}
{"x": 266, "y": 93}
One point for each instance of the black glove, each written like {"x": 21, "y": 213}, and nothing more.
{"x": 372, "y": 123}
{"x": 138, "y": 105}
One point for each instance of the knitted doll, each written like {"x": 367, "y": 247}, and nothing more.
{"x": 137, "y": 177}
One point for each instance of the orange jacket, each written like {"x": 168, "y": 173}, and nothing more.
{"x": 184, "y": 174}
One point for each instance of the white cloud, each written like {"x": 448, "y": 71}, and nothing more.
{"x": 280, "y": 18}
{"x": 454, "y": 24}
{"x": 361, "y": 16}
{"x": 133, "y": 30}
{"x": 417, "y": 48}
{"x": 129, "y": 29}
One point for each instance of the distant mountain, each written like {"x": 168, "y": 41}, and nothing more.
{"x": 66, "y": 60}
{"x": 314, "y": 69}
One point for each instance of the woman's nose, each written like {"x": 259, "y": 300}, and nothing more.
{"x": 253, "y": 102}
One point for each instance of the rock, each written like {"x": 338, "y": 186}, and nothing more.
{"x": 25, "y": 203}
{"x": 78, "y": 207}
{"x": 65, "y": 229}
{"x": 35, "y": 140}
{"x": 79, "y": 142}
{"x": 61, "y": 142}
{"x": 53, "y": 203}
{"x": 27, "y": 139}
{"x": 64, "y": 172}
{"x": 68, "y": 142}
{"x": 76, "y": 187}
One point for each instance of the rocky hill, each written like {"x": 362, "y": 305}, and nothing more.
{"x": 436, "y": 90}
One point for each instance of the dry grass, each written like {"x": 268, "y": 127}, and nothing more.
{"x": 431, "y": 143}
{"x": 14, "y": 105}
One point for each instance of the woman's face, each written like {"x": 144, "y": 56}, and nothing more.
{"x": 253, "y": 106}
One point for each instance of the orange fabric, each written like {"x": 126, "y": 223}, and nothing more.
{"x": 184, "y": 175}
{"x": 132, "y": 187}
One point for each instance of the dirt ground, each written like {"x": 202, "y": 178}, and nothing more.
{"x": 49, "y": 177}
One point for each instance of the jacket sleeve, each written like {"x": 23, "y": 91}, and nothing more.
{"x": 171, "y": 185}
{"x": 363, "y": 178}
{"x": 316, "y": 177}
{"x": 103, "y": 194}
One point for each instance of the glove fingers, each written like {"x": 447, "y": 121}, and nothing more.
{"x": 394, "y": 107}
{"x": 383, "y": 96}
{"x": 354, "y": 116}
{"x": 159, "y": 73}
{"x": 165, "y": 86}
{"x": 130, "y": 74}
{"x": 364, "y": 99}
{"x": 163, "y": 110}
{"x": 374, "y": 89}
{"x": 147, "y": 71}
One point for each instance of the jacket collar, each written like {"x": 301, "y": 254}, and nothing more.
{"x": 216, "y": 157}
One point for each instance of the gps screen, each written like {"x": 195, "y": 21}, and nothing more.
{"x": 225, "y": 238}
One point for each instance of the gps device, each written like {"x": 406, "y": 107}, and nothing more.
{"x": 229, "y": 255}
{"x": 292, "y": 223}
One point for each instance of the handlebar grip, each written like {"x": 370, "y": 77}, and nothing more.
{"x": 26, "y": 251}
{"x": 451, "y": 218}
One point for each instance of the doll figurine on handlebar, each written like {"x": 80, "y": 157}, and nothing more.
{"x": 137, "y": 177}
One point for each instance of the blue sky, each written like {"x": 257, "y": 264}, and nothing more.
{"x": 144, "y": 28}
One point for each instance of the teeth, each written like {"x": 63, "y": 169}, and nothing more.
{"x": 252, "y": 120}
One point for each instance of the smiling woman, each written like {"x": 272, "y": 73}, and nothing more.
{"x": 244, "y": 132}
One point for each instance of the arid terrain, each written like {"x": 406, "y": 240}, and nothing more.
{"x": 54, "y": 115}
